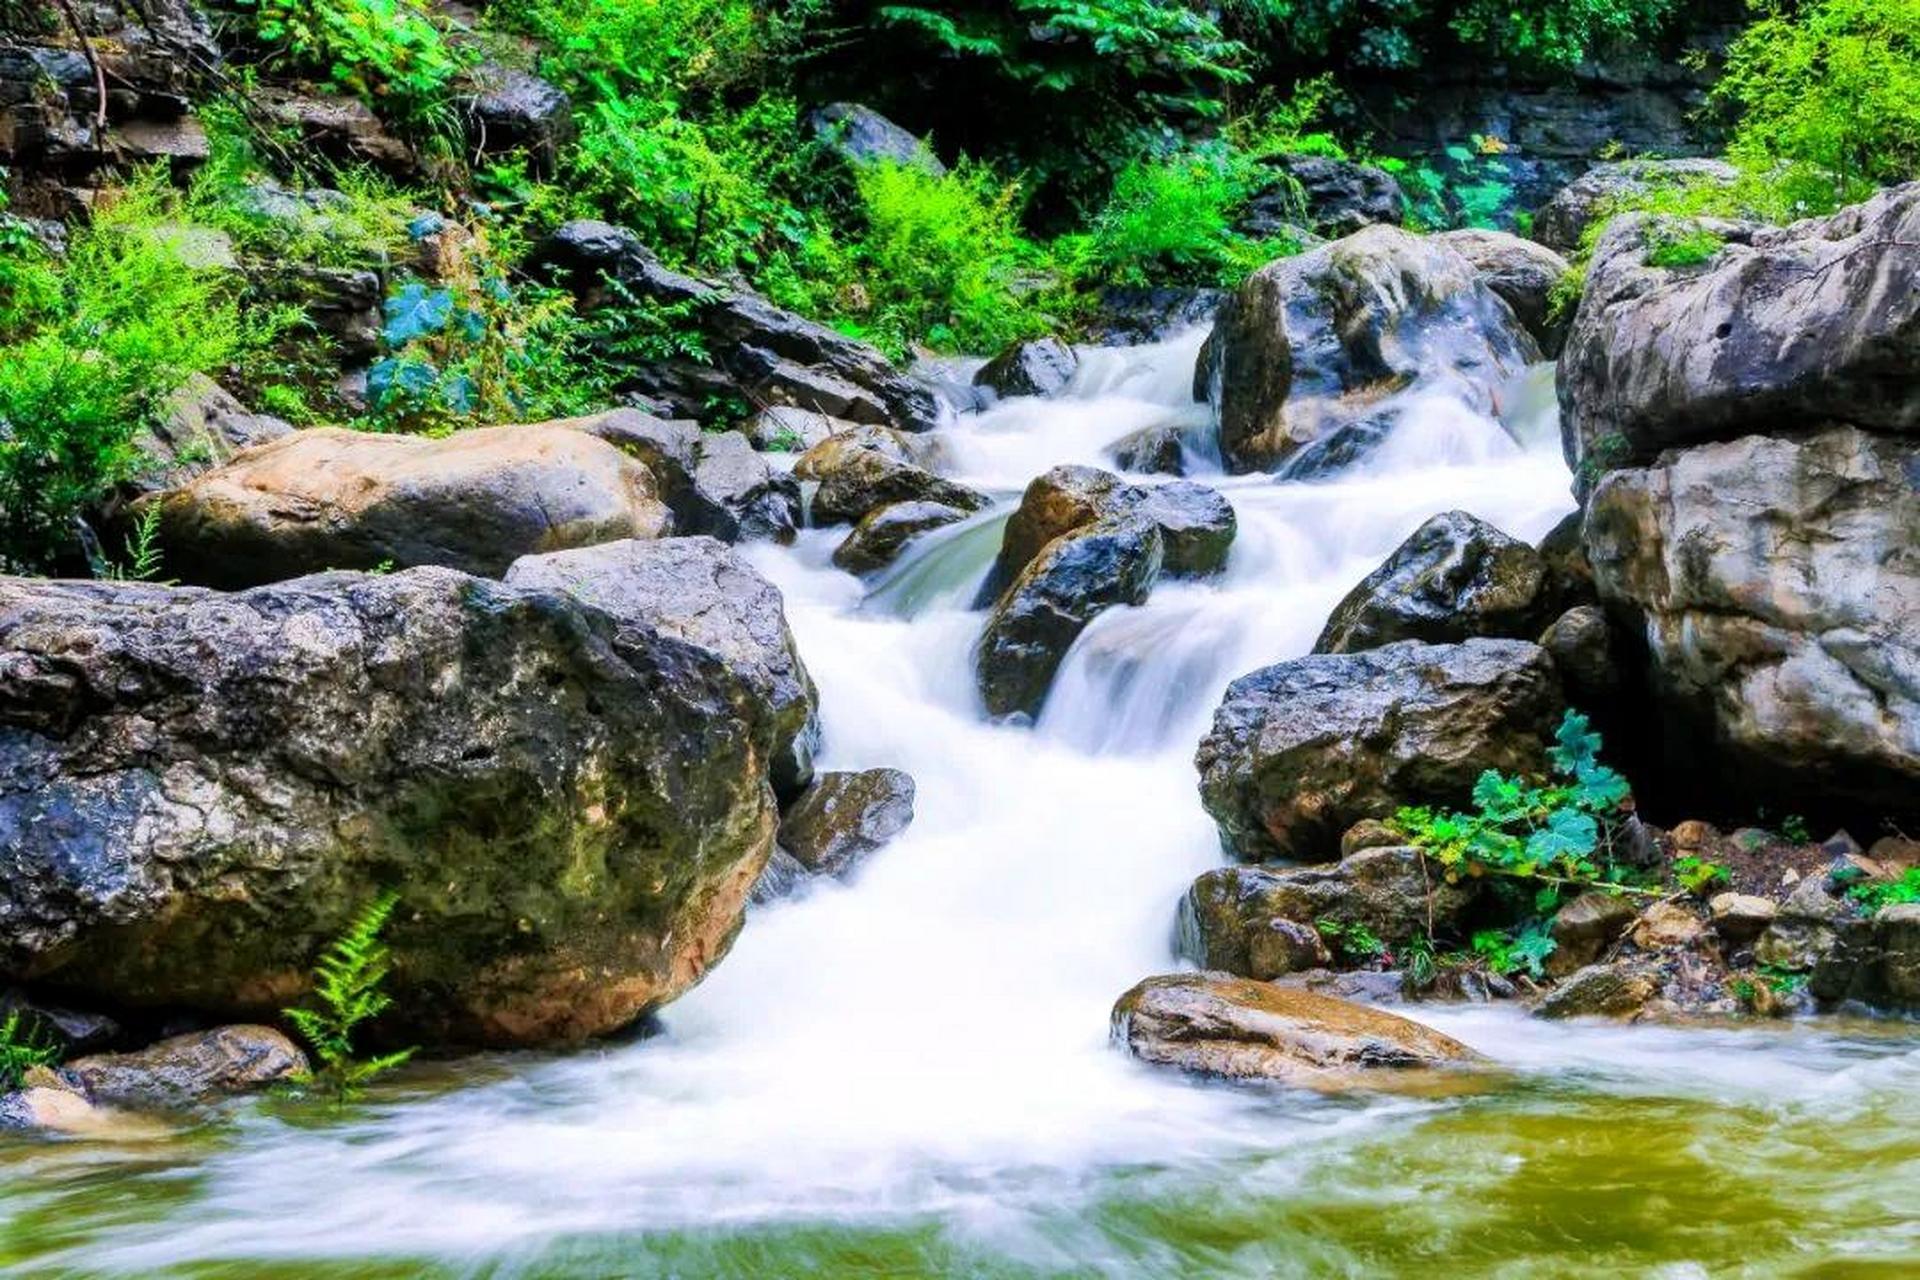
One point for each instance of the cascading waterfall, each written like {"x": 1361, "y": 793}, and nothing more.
{"x": 911, "y": 1070}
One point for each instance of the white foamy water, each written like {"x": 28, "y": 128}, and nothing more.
{"x": 929, "y": 1041}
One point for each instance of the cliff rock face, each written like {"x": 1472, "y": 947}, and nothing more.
{"x": 198, "y": 790}
{"x": 1784, "y": 329}
{"x": 1776, "y": 584}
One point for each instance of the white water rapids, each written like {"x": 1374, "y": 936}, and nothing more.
{"x": 928, "y": 1043}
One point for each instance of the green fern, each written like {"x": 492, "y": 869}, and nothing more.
{"x": 347, "y": 987}
{"x": 23, "y": 1046}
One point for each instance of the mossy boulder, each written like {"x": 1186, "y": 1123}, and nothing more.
{"x": 199, "y": 790}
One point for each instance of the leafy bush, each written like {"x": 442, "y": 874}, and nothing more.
{"x": 347, "y": 988}
{"x": 91, "y": 347}
{"x": 392, "y": 54}
{"x": 1554, "y": 830}
{"x": 1508, "y": 951}
{"x": 473, "y": 347}
{"x": 1829, "y": 91}
{"x": 942, "y": 260}
{"x": 1171, "y": 219}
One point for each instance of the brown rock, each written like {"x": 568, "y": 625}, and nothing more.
{"x": 328, "y": 498}
{"x": 1243, "y": 1030}
{"x": 1666, "y": 925}
{"x": 1604, "y": 990}
{"x": 1585, "y": 928}
{"x": 1741, "y": 917}
{"x": 1693, "y": 835}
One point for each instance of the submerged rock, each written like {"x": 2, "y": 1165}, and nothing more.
{"x": 1776, "y": 583}
{"x": 884, "y": 533}
{"x": 1455, "y": 577}
{"x": 843, "y": 817}
{"x": 198, "y": 791}
{"x": 859, "y": 472}
{"x": 1114, "y": 561}
{"x": 1301, "y": 751}
{"x": 329, "y": 498}
{"x": 1241, "y": 1030}
{"x": 1314, "y": 358}
{"x": 1151, "y": 451}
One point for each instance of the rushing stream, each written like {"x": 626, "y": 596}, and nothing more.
{"x": 909, "y": 1074}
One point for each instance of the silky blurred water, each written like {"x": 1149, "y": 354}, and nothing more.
{"x": 908, "y": 1074}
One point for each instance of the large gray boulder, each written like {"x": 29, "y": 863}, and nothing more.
{"x": 1561, "y": 224}
{"x": 1776, "y": 584}
{"x": 703, "y": 594}
{"x": 1455, "y": 577}
{"x": 1301, "y": 751}
{"x": 1783, "y": 329}
{"x": 1214, "y": 1025}
{"x": 199, "y": 790}
{"x": 1314, "y": 358}
{"x": 329, "y": 498}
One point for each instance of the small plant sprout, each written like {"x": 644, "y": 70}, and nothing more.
{"x": 23, "y": 1046}
{"x": 347, "y": 989}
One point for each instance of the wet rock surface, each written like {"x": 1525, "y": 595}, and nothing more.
{"x": 1776, "y": 582}
{"x": 1313, "y": 359}
{"x": 1038, "y": 367}
{"x": 1214, "y": 1025}
{"x": 858, "y": 472}
{"x": 703, "y": 594}
{"x": 1454, "y": 578}
{"x": 187, "y": 1069}
{"x": 843, "y": 817}
{"x": 1302, "y": 750}
{"x": 885, "y": 532}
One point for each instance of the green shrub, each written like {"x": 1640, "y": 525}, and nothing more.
{"x": 1828, "y": 93}
{"x": 347, "y": 984}
{"x": 1171, "y": 220}
{"x": 474, "y": 347}
{"x": 942, "y": 260}
{"x": 1875, "y": 894}
{"x": 91, "y": 347}
{"x": 1557, "y": 830}
{"x": 1401, "y": 34}
{"x": 1682, "y": 245}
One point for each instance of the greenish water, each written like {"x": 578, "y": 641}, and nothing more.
{"x": 1749, "y": 1152}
